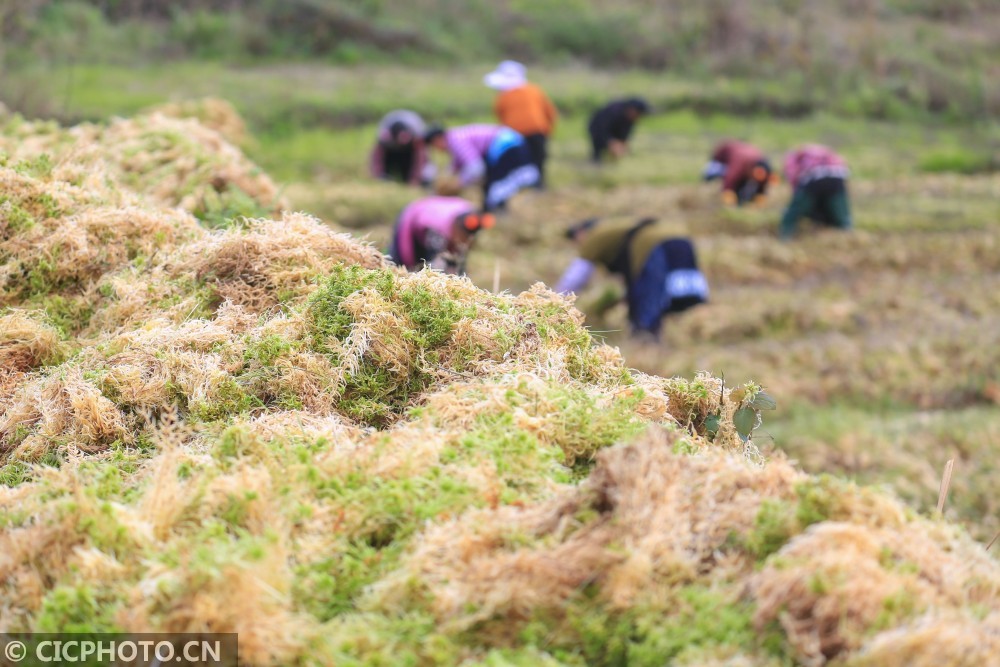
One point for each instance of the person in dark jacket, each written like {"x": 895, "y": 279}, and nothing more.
{"x": 744, "y": 170}
{"x": 399, "y": 153}
{"x": 659, "y": 268}
{"x": 611, "y": 126}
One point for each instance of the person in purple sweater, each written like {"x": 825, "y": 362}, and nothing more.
{"x": 493, "y": 155}
{"x": 437, "y": 232}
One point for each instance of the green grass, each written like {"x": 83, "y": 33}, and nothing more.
{"x": 904, "y": 448}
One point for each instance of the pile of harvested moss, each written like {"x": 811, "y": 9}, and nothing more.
{"x": 265, "y": 429}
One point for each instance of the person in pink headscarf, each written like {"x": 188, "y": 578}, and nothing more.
{"x": 818, "y": 177}
{"x": 437, "y": 232}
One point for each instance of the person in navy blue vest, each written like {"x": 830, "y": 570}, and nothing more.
{"x": 660, "y": 269}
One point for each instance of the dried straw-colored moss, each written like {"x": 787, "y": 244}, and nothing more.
{"x": 213, "y": 113}
{"x": 265, "y": 429}
{"x": 26, "y": 341}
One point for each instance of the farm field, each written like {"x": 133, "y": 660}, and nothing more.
{"x": 201, "y": 414}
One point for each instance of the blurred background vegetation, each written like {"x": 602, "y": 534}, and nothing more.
{"x": 871, "y": 58}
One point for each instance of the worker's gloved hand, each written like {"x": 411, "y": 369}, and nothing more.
{"x": 759, "y": 200}
{"x": 729, "y": 198}
{"x": 448, "y": 186}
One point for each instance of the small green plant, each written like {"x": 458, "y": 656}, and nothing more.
{"x": 750, "y": 400}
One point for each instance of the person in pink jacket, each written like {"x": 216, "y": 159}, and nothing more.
{"x": 818, "y": 177}
{"x": 437, "y": 232}
{"x": 493, "y": 155}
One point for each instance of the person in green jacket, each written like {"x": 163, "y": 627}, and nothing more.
{"x": 659, "y": 268}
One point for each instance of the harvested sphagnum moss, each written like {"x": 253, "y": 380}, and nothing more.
{"x": 255, "y": 425}
{"x": 211, "y": 112}
{"x": 27, "y": 341}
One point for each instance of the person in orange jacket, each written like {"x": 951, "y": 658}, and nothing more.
{"x": 525, "y": 108}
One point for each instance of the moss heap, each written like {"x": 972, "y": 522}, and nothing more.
{"x": 265, "y": 429}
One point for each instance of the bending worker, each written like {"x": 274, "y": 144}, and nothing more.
{"x": 660, "y": 270}
{"x": 438, "y": 232}
{"x": 494, "y": 155}
{"x": 399, "y": 153}
{"x": 744, "y": 171}
{"x": 611, "y": 126}
{"x": 818, "y": 177}
{"x": 525, "y": 108}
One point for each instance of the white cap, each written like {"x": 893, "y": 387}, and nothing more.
{"x": 508, "y": 75}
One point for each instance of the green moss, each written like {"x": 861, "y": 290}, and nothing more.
{"x": 778, "y": 521}
{"x": 696, "y": 619}
{"x": 375, "y": 394}
{"x": 234, "y": 443}
{"x": 393, "y": 509}
{"x": 328, "y": 318}
{"x": 222, "y": 210}
{"x": 267, "y": 349}
{"x": 77, "y": 609}
{"x": 229, "y": 398}
{"x": 15, "y": 472}
{"x": 701, "y": 618}
{"x": 555, "y": 324}
{"x": 19, "y": 219}
{"x": 49, "y": 205}
{"x": 523, "y": 464}
{"x": 236, "y": 508}
{"x": 104, "y": 530}
{"x": 774, "y": 525}
{"x": 333, "y": 586}
{"x": 39, "y": 167}
{"x": 581, "y": 426}
{"x": 434, "y": 317}
{"x": 399, "y": 640}
{"x": 520, "y": 657}
{"x": 818, "y": 500}
{"x": 381, "y": 515}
